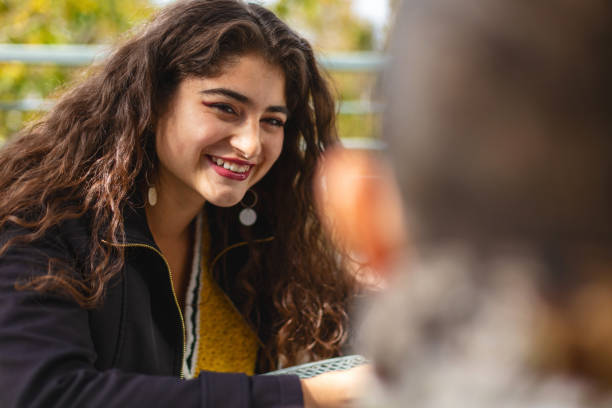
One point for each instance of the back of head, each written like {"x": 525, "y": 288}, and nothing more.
{"x": 500, "y": 117}
{"x": 499, "y": 121}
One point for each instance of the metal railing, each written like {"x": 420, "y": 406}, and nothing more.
{"x": 78, "y": 54}
{"x": 81, "y": 55}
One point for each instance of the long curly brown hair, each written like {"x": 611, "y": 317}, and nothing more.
{"x": 93, "y": 152}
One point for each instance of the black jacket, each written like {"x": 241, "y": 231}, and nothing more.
{"x": 125, "y": 353}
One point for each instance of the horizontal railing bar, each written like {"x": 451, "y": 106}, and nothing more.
{"x": 36, "y": 104}
{"x": 363, "y": 143}
{"x": 59, "y": 54}
{"x": 81, "y": 54}
{"x": 28, "y": 104}
{"x": 354, "y": 61}
{"x": 360, "y": 107}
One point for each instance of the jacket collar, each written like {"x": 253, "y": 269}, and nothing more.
{"x": 137, "y": 230}
{"x": 136, "y": 227}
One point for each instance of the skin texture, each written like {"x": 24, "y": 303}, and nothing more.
{"x": 358, "y": 185}
{"x": 336, "y": 389}
{"x": 204, "y": 118}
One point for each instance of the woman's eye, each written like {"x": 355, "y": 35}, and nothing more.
{"x": 223, "y": 108}
{"x": 275, "y": 122}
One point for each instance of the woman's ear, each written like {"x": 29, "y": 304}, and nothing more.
{"x": 359, "y": 203}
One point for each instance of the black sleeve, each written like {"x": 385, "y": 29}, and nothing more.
{"x": 47, "y": 356}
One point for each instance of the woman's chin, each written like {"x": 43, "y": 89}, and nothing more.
{"x": 228, "y": 200}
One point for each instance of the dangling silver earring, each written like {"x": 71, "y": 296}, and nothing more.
{"x": 152, "y": 195}
{"x": 151, "y": 191}
{"x": 247, "y": 215}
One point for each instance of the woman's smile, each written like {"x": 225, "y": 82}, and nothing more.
{"x": 234, "y": 169}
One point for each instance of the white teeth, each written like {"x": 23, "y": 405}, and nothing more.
{"x": 236, "y": 168}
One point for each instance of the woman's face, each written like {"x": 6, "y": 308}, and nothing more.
{"x": 220, "y": 135}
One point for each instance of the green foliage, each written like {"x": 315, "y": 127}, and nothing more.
{"x": 68, "y": 21}
{"x": 55, "y": 22}
{"x": 357, "y": 87}
{"x": 329, "y": 24}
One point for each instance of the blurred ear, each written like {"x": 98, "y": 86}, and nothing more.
{"x": 358, "y": 200}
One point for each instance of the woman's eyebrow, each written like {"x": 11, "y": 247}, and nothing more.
{"x": 243, "y": 99}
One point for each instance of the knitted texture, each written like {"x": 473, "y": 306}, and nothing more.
{"x": 221, "y": 339}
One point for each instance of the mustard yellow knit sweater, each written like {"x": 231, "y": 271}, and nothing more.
{"x": 217, "y": 338}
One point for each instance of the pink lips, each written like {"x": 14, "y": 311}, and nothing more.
{"x": 222, "y": 171}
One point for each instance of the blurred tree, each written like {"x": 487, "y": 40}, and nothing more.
{"x": 332, "y": 26}
{"x": 55, "y": 22}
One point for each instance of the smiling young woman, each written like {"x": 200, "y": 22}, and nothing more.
{"x": 124, "y": 268}
{"x": 217, "y": 137}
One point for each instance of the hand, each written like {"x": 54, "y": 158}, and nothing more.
{"x": 335, "y": 388}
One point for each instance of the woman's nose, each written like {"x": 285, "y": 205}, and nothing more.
{"x": 247, "y": 141}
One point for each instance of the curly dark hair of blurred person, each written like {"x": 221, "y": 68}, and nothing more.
{"x": 94, "y": 151}
{"x": 499, "y": 121}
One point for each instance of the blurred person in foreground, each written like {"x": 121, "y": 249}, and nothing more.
{"x": 499, "y": 123}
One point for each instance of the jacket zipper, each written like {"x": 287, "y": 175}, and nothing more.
{"x": 176, "y": 302}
